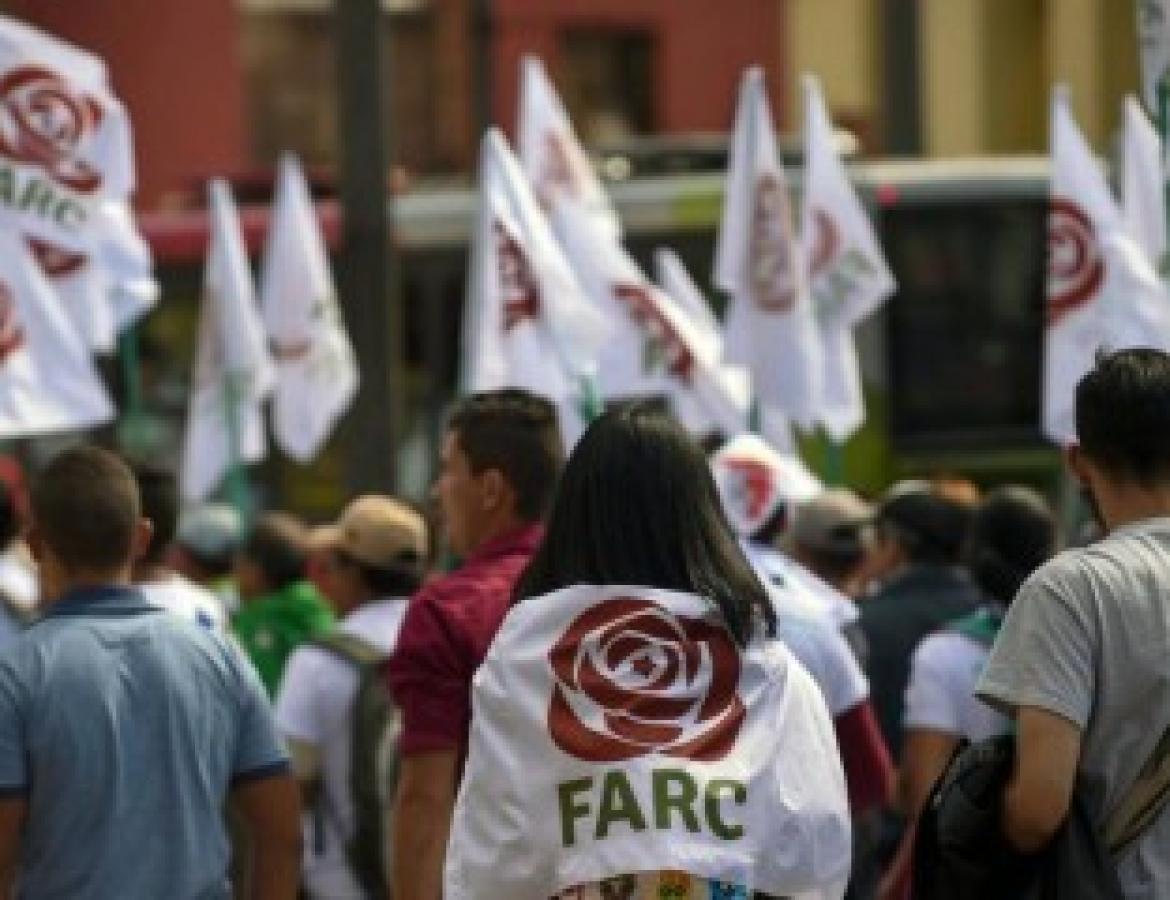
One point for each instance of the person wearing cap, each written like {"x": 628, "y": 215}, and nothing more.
{"x": 279, "y": 609}
{"x": 760, "y": 490}
{"x": 831, "y": 536}
{"x": 372, "y": 560}
{"x": 918, "y": 540}
{"x": 204, "y": 550}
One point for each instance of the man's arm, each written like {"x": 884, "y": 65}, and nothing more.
{"x": 1048, "y": 748}
{"x": 271, "y": 810}
{"x": 422, "y": 820}
{"x": 12, "y": 812}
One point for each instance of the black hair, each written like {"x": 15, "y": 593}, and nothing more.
{"x": 159, "y": 495}
{"x": 931, "y": 529}
{"x": 400, "y": 579}
{"x": 1123, "y": 415}
{"x": 86, "y": 509}
{"x": 10, "y": 521}
{"x": 516, "y": 433}
{"x": 1012, "y": 533}
{"x": 277, "y": 545}
{"x": 637, "y": 505}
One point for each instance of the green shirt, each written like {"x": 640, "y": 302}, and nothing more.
{"x": 271, "y": 627}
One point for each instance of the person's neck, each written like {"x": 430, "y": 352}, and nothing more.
{"x": 1124, "y": 504}
{"x": 496, "y": 529}
{"x": 58, "y": 585}
{"x": 147, "y": 572}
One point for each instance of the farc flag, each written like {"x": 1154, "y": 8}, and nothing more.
{"x": 619, "y": 729}
{"x": 1102, "y": 291}
{"x": 847, "y": 274}
{"x": 65, "y": 144}
{"x": 233, "y": 372}
{"x": 316, "y": 375}
{"x": 735, "y": 384}
{"x": 550, "y": 154}
{"x": 770, "y": 327}
{"x": 528, "y": 323}
{"x": 48, "y": 382}
{"x": 674, "y": 352}
{"x": 1143, "y": 197}
{"x": 1153, "y": 24}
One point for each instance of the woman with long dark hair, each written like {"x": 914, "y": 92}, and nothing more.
{"x": 637, "y": 729}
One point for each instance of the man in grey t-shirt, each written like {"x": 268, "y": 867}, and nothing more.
{"x": 123, "y": 729}
{"x": 1083, "y": 658}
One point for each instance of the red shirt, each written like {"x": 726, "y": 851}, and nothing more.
{"x": 446, "y": 634}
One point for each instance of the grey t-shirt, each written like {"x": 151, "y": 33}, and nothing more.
{"x": 1088, "y": 638}
{"x": 123, "y": 727}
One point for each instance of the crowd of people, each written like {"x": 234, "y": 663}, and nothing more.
{"x": 656, "y": 669}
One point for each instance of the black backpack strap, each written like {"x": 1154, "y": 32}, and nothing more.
{"x": 1143, "y": 801}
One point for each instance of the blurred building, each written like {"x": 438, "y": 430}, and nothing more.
{"x": 965, "y": 77}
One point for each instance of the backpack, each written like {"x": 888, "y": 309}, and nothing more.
{"x": 376, "y": 726}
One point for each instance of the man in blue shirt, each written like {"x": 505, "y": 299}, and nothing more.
{"x": 123, "y": 729}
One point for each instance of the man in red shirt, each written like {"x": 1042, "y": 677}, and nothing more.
{"x": 501, "y": 457}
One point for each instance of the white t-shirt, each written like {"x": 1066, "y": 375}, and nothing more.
{"x": 313, "y": 707}
{"x": 177, "y": 594}
{"x": 941, "y": 693}
{"x": 804, "y": 587}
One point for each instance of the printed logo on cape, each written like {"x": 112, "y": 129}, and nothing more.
{"x": 632, "y": 678}
{"x": 1076, "y": 268}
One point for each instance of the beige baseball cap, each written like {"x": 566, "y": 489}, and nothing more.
{"x": 378, "y": 531}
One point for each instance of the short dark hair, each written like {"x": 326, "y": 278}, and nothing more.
{"x": 516, "y": 433}
{"x": 401, "y": 579}
{"x": 637, "y": 505}
{"x": 929, "y": 527}
{"x": 10, "y": 519}
{"x": 1012, "y": 532}
{"x": 159, "y": 495}
{"x": 86, "y": 508}
{"x": 278, "y": 545}
{"x": 1123, "y": 415}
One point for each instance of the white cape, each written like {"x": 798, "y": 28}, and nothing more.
{"x": 619, "y": 729}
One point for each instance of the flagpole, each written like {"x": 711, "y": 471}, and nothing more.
{"x": 239, "y": 492}
{"x": 1163, "y": 264}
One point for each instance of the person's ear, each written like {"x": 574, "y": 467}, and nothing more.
{"x": 143, "y": 532}
{"x": 492, "y": 490}
{"x": 1078, "y": 464}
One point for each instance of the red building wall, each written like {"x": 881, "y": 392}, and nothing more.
{"x": 177, "y": 68}
{"x": 701, "y": 48}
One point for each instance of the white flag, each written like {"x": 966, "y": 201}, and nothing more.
{"x": 65, "y": 145}
{"x": 550, "y": 154}
{"x": 770, "y": 327}
{"x": 1143, "y": 192}
{"x": 528, "y": 324}
{"x": 47, "y": 380}
{"x": 619, "y": 729}
{"x": 847, "y": 274}
{"x": 316, "y": 375}
{"x": 105, "y": 290}
{"x": 233, "y": 372}
{"x": 1102, "y": 291}
{"x": 1153, "y": 24}
{"x": 676, "y": 359}
{"x": 735, "y": 383}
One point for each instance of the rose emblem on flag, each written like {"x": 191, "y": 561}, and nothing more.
{"x": 11, "y": 334}
{"x": 773, "y": 277}
{"x": 1076, "y": 268}
{"x": 632, "y": 678}
{"x": 46, "y": 123}
{"x": 521, "y": 294}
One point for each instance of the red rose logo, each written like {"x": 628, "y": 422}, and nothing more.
{"x": 518, "y": 284}
{"x": 11, "y": 334}
{"x": 633, "y": 678}
{"x": 826, "y": 242}
{"x": 44, "y": 122}
{"x": 770, "y": 249}
{"x": 1075, "y": 266}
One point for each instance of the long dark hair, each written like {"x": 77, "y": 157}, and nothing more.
{"x": 637, "y": 505}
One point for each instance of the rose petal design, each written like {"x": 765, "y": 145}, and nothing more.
{"x": 609, "y": 696}
{"x": 564, "y": 654}
{"x": 724, "y": 666}
{"x": 651, "y": 735}
{"x": 584, "y": 743}
{"x": 715, "y": 742}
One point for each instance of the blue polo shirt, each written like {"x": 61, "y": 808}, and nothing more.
{"x": 123, "y": 726}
